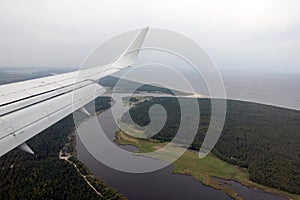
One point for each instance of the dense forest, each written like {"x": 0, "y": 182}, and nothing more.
{"x": 129, "y": 86}
{"x": 15, "y": 74}
{"x": 44, "y": 175}
{"x": 265, "y": 139}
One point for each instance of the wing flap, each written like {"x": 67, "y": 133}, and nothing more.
{"x": 22, "y": 125}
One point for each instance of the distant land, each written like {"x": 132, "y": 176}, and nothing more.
{"x": 16, "y": 74}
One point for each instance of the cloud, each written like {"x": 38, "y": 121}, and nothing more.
{"x": 236, "y": 33}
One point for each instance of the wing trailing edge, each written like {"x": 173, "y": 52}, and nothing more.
{"x": 29, "y": 107}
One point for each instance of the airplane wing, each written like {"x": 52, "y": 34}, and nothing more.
{"x": 29, "y": 107}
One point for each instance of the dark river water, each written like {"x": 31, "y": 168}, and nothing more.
{"x": 249, "y": 193}
{"x": 161, "y": 184}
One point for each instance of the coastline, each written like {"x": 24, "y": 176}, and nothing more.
{"x": 67, "y": 157}
{"x": 69, "y": 154}
{"x": 99, "y": 187}
{"x": 266, "y": 104}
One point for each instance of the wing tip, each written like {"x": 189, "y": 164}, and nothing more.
{"x": 129, "y": 56}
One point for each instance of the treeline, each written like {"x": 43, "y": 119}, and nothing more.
{"x": 44, "y": 175}
{"x": 265, "y": 139}
{"x": 127, "y": 85}
{"x": 16, "y": 74}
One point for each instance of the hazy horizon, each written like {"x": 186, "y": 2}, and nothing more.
{"x": 273, "y": 88}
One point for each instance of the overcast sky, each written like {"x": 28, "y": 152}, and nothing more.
{"x": 253, "y": 34}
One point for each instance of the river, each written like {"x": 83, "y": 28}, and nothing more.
{"x": 161, "y": 184}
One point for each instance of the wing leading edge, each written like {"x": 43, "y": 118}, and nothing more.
{"x": 29, "y": 107}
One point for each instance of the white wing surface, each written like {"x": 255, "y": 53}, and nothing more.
{"x": 29, "y": 107}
